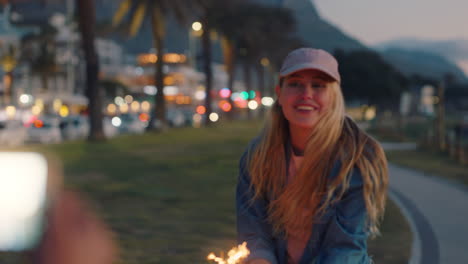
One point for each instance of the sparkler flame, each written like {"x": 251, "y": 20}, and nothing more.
{"x": 235, "y": 255}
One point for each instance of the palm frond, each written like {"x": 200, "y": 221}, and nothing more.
{"x": 137, "y": 19}
{"x": 123, "y": 9}
{"x": 157, "y": 21}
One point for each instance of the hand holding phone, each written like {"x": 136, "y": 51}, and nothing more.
{"x": 37, "y": 216}
{"x": 75, "y": 235}
{"x": 23, "y": 199}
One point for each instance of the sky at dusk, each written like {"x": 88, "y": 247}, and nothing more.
{"x": 376, "y": 21}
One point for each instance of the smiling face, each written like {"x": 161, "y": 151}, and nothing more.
{"x": 304, "y": 97}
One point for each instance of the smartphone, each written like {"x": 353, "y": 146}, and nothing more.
{"x": 26, "y": 191}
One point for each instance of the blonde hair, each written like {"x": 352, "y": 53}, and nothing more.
{"x": 335, "y": 137}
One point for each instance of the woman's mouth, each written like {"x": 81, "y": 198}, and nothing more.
{"x": 305, "y": 108}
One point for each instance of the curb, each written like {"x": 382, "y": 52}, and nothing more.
{"x": 425, "y": 247}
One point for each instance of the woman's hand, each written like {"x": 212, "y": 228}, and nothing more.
{"x": 75, "y": 235}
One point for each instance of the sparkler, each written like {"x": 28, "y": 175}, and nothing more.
{"x": 235, "y": 255}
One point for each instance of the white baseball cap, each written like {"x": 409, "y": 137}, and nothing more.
{"x": 309, "y": 58}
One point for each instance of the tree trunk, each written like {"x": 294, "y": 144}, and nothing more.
{"x": 45, "y": 82}
{"x": 87, "y": 24}
{"x": 206, "y": 42}
{"x": 160, "y": 108}
{"x": 158, "y": 118}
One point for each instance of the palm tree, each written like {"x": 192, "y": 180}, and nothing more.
{"x": 157, "y": 12}
{"x": 87, "y": 21}
{"x": 38, "y": 51}
{"x": 252, "y": 32}
{"x": 214, "y": 13}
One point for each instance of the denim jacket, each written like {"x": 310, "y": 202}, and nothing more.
{"x": 339, "y": 236}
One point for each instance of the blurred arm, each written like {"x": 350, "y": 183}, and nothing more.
{"x": 75, "y": 235}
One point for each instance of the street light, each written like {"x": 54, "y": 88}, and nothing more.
{"x": 197, "y": 26}
{"x": 196, "y": 31}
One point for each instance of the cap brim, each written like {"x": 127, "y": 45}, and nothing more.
{"x": 307, "y": 66}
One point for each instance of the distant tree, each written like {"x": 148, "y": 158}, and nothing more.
{"x": 38, "y": 50}
{"x": 219, "y": 16}
{"x": 252, "y": 32}
{"x": 156, "y": 12}
{"x": 366, "y": 76}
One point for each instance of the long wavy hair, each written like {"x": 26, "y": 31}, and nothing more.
{"x": 335, "y": 138}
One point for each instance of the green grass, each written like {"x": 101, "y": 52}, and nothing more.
{"x": 432, "y": 162}
{"x": 393, "y": 246}
{"x": 170, "y": 197}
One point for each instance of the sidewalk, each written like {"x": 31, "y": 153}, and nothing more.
{"x": 437, "y": 212}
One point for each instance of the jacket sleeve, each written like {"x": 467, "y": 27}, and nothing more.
{"x": 252, "y": 224}
{"x": 345, "y": 238}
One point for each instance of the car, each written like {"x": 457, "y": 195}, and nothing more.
{"x": 12, "y": 133}
{"x": 44, "y": 130}
{"x": 130, "y": 123}
{"x": 176, "y": 118}
{"x": 74, "y": 127}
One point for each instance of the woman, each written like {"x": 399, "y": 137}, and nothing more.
{"x": 312, "y": 186}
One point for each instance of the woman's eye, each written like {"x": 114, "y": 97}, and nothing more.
{"x": 318, "y": 85}
{"x": 294, "y": 84}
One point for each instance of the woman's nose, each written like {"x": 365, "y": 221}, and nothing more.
{"x": 308, "y": 91}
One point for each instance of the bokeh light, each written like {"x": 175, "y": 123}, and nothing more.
{"x": 144, "y": 117}
{"x": 267, "y": 101}
{"x": 128, "y": 99}
{"x": 225, "y": 105}
{"x": 63, "y": 112}
{"x": 123, "y": 108}
{"x": 119, "y": 101}
{"x": 201, "y": 110}
{"x": 244, "y": 95}
{"x": 135, "y": 106}
{"x": 197, "y": 26}
{"x": 252, "y": 95}
{"x": 225, "y": 93}
{"x": 10, "y": 111}
{"x": 253, "y": 105}
{"x": 116, "y": 121}
{"x": 145, "y": 106}
{"x": 200, "y": 95}
{"x": 57, "y": 104}
{"x": 111, "y": 109}
{"x": 214, "y": 117}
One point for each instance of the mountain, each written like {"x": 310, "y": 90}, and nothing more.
{"x": 317, "y": 32}
{"x": 456, "y": 49}
{"x": 423, "y": 63}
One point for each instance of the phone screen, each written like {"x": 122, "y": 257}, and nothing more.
{"x": 23, "y": 197}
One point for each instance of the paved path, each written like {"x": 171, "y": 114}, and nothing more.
{"x": 438, "y": 213}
